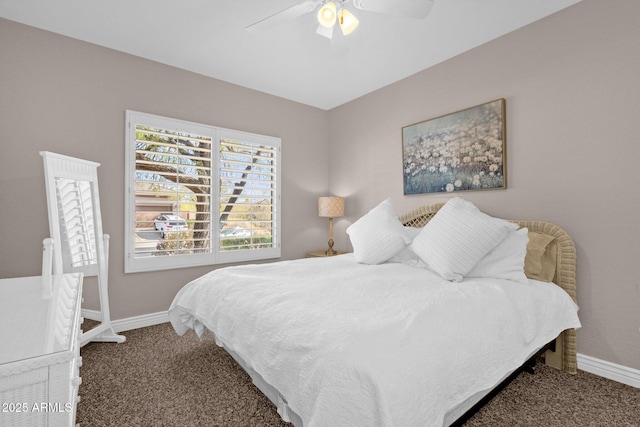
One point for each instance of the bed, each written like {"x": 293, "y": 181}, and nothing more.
{"x": 370, "y": 339}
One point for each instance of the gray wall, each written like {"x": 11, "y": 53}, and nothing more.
{"x": 573, "y": 101}
{"x": 66, "y": 96}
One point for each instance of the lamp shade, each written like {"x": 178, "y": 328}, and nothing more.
{"x": 348, "y": 22}
{"x": 327, "y": 14}
{"x": 331, "y": 206}
{"x": 325, "y": 31}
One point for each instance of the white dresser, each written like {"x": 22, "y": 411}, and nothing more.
{"x": 39, "y": 351}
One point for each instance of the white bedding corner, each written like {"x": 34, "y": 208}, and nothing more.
{"x": 377, "y": 345}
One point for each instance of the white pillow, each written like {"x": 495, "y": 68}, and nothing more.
{"x": 378, "y": 235}
{"x": 457, "y": 237}
{"x": 505, "y": 261}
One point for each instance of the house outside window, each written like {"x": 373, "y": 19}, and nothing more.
{"x": 198, "y": 194}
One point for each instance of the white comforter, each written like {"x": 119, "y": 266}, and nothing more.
{"x": 348, "y": 344}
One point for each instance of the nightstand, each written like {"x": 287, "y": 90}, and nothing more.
{"x": 322, "y": 253}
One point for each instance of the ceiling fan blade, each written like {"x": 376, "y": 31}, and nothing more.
{"x": 283, "y": 16}
{"x": 405, "y": 8}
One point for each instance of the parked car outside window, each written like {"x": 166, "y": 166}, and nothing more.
{"x": 235, "y": 232}
{"x": 170, "y": 224}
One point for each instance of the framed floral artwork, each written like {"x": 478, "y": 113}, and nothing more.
{"x": 461, "y": 151}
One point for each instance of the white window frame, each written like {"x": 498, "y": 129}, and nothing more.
{"x": 154, "y": 263}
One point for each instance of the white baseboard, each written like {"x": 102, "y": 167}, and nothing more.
{"x": 612, "y": 371}
{"x": 129, "y": 323}
{"x": 91, "y": 314}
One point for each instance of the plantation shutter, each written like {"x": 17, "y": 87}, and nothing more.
{"x": 248, "y": 193}
{"x": 198, "y": 195}
{"x": 76, "y": 225}
{"x": 173, "y": 187}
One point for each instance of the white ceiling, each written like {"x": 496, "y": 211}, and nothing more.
{"x": 291, "y": 60}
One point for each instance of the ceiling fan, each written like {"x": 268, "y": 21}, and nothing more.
{"x": 332, "y": 11}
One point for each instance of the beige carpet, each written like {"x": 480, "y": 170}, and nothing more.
{"x": 157, "y": 378}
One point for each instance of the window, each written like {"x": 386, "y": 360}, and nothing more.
{"x": 198, "y": 194}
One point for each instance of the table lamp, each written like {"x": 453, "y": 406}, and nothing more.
{"x": 330, "y": 207}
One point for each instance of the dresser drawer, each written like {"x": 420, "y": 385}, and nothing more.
{"x": 39, "y": 359}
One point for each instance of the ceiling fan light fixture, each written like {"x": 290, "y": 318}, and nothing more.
{"x": 348, "y": 22}
{"x": 325, "y": 31}
{"x": 327, "y": 14}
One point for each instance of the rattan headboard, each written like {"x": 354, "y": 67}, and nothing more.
{"x": 565, "y": 274}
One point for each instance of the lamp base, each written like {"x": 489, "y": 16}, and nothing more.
{"x": 330, "y": 251}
